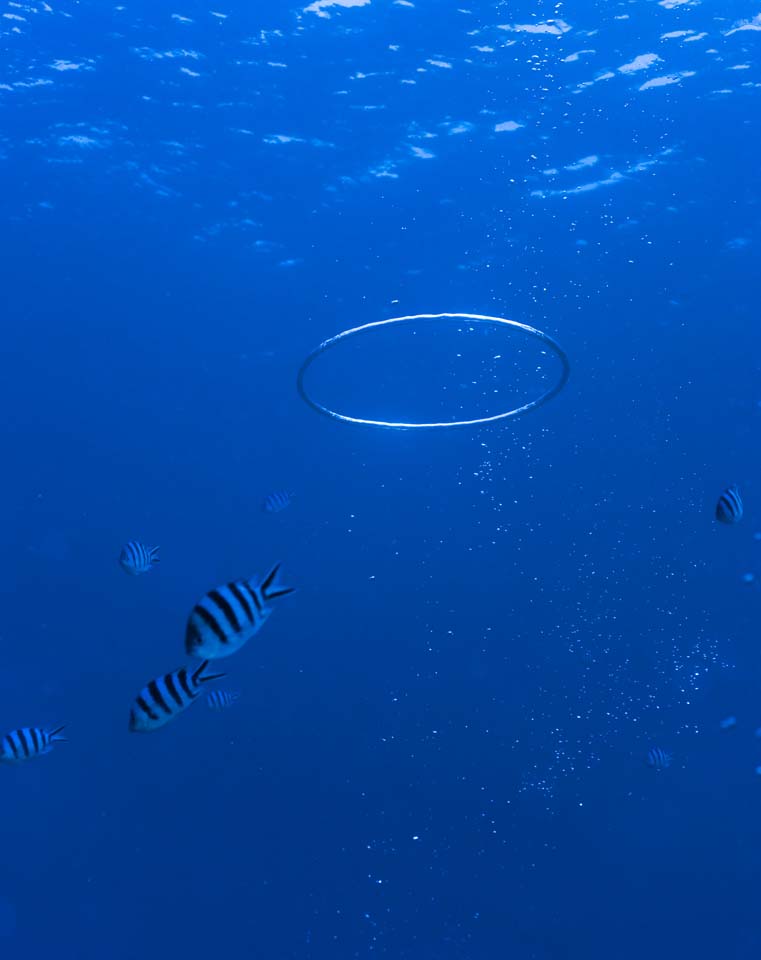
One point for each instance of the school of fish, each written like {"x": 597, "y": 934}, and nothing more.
{"x": 223, "y": 620}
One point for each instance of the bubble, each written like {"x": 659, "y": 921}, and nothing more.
{"x": 476, "y": 319}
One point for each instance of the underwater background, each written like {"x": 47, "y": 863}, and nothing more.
{"x": 440, "y": 748}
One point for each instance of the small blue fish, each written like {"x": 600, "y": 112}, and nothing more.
{"x": 136, "y": 558}
{"x": 277, "y": 501}
{"x": 729, "y": 508}
{"x": 658, "y": 759}
{"x": 28, "y": 742}
{"x": 222, "y": 699}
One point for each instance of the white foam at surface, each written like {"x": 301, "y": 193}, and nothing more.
{"x": 667, "y": 80}
{"x": 554, "y": 27}
{"x": 319, "y": 7}
{"x": 642, "y": 62}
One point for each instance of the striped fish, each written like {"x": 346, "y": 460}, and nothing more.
{"x": 729, "y": 509}
{"x": 163, "y": 698}
{"x": 136, "y": 558}
{"x": 227, "y": 617}
{"x": 277, "y": 501}
{"x": 658, "y": 759}
{"x": 28, "y": 742}
{"x": 222, "y": 699}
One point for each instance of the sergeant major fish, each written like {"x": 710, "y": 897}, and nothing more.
{"x": 277, "y": 501}
{"x": 227, "y": 617}
{"x": 222, "y": 699}
{"x": 28, "y": 742}
{"x": 136, "y": 558}
{"x": 658, "y": 758}
{"x": 164, "y": 698}
{"x": 729, "y": 508}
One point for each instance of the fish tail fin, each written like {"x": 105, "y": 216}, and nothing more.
{"x": 198, "y": 675}
{"x": 53, "y": 735}
{"x": 271, "y": 589}
{"x": 154, "y": 552}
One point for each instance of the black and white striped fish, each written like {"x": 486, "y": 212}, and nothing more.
{"x": 227, "y": 617}
{"x": 276, "y": 501}
{"x": 28, "y": 742}
{"x": 729, "y": 508}
{"x": 222, "y": 699}
{"x": 658, "y": 759}
{"x": 136, "y": 558}
{"x": 163, "y": 698}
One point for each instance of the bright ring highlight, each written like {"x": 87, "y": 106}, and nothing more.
{"x": 516, "y": 412}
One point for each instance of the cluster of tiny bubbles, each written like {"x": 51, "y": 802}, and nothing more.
{"x": 616, "y": 697}
{"x": 619, "y": 666}
{"x": 489, "y": 470}
{"x": 611, "y": 671}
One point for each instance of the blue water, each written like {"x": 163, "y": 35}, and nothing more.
{"x": 439, "y": 752}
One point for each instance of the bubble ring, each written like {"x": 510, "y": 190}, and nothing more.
{"x": 354, "y": 331}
